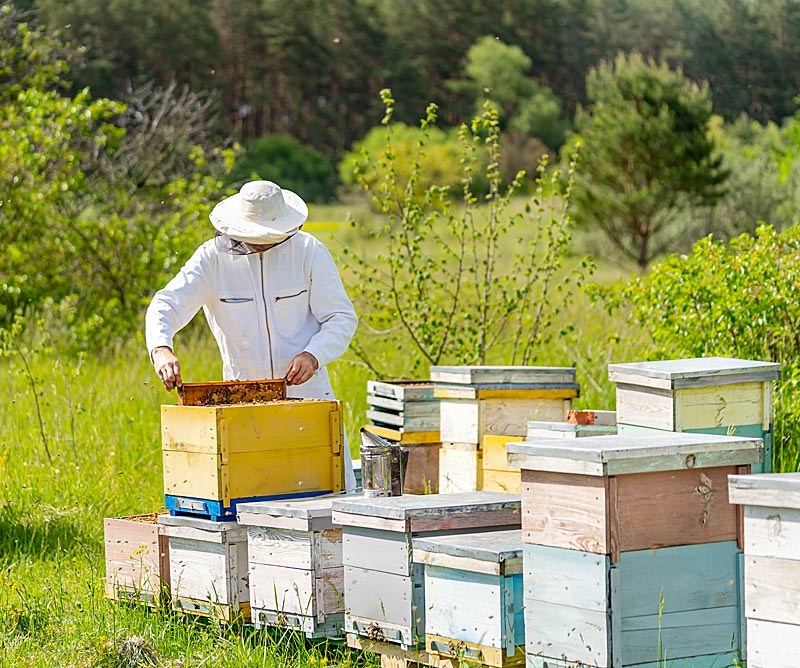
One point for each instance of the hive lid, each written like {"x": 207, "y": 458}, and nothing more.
{"x": 199, "y": 528}
{"x": 634, "y": 453}
{"x": 491, "y": 546}
{"x": 694, "y": 372}
{"x": 504, "y": 375}
{"x": 566, "y": 429}
{"x": 304, "y": 512}
{"x": 429, "y": 511}
{"x": 774, "y": 490}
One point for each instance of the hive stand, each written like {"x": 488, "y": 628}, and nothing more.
{"x": 216, "y": 457}
{"x": 208, "y": 567}
{"x": 406, "y": 412}
{"x": 492, "y": 400}
{"x": 707, "y": 395}
{"x": 630, "y": 547}
{"x": 473, "y": 597}
{"x": 771, "y": 566}
{"x": 137, "y": 560}
{"x": 384, "y": 588}
{"x": 296, "y": 575}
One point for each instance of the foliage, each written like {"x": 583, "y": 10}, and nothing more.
{"x": 648, "y": 155}
{"x": 286, "y": 161}
{"x": 460, "y": 284}
{"x": 499, "y": 72}
{"x": 419, "y": 158}
{"x": 101, "y": 199}
{"x": 732, "y": 300}
{"x": 755, "y": 191}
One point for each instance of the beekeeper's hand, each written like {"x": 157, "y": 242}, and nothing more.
{"x": 301, "y": 368}
{"x": 167, "y": 367}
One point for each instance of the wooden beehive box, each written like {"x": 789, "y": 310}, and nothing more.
{"x": 771, "y": 566}
{"x": 137, "y": 559}
{"x": 473, "y": 596}
{"x": 384, "y": 589}
{"x": 492, "y": 400}
{"x": 208, "y": 567}
{"x": 612, "y": 524}
{"x": 497, "y": 475}
{"x": 406, "y": 412}
{"x": 711, "y": 395}
{"x": 296, "y": 574}
{"x": 216, "y": 457}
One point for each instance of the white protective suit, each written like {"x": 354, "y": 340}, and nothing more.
{"x": 263, "y": 309}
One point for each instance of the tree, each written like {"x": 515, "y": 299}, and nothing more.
{"x": 500, "y": 73}
{"x": 466, "y": 283}
{"x": 647, "y": 155}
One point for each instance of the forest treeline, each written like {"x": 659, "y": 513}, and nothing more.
{"x": 312, "y": 69}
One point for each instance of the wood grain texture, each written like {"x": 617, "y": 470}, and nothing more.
{"x": 772, "y": 589}
{"x": 422, "y": 469}
{"x": 464, "y": 653}
{"x": 502, "y": 481}
{"x": 137, "y": 558}
{"x": 672, "y": 374}
{"x": 669, "y": 508}
{"x": 401, "y": 390}
{"x": 501, "y": 550}
{"x": 566, "y": 577}
{"x": 770, "y": 490}
{"x": 646, "y": 407}
{"x": 460, "y": 470}
{"x": 472, "y": 375}
{"x": 494, "y": 451}
{"x": 507, "y": 392}
{"x": 371, "y": 549}
{"x": 772, "y": 532}
{"x": 772, "y": 644}
{"x": 406, "y": 422}
{"x": 565, "y": 510}
{"x": 577, "y": 635}
{"x": 722, "y": 406}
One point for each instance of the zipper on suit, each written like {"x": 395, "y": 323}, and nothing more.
{"x": 296, "y": 294}
{"x": 266, "y": 316}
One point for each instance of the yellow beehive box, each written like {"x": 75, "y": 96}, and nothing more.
{"x": 216, "y": 457}
{"x": 498, "y": 476}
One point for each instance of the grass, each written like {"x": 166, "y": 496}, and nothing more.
{"x": 100, "y": 417}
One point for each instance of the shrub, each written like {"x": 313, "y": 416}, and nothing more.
{"x": 736, "y": 300}
{"x": 292, "y": 165}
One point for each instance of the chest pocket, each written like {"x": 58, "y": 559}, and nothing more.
{"x": 237, "y": 312}
{"x": 291, "y": 307}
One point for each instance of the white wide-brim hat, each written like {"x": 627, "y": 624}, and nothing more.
{"x": 260, "y": 213}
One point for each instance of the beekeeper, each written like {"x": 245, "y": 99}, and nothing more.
{"x": 271, "y": 294}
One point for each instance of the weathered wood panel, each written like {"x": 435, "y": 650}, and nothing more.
{"x": 681, "y": 635}
{"x": 645, "y": 406}
{"x": 692, "y": 577}
{"x": 494, "y": 451}
{"x": 207, "y": 571}
{"x": 279, "y": 547}
{"x": 371, "y": 549}
{"x": 723, "y": 406}
{"x": 405, "y": 408}
{"x": 464, "y": 606}
{"x": 137, "y": 558}
{"x": 401, "y": 390}
{"x": 422, "y": 469}
{"x": 667, "y": 508}
{"x": 772, "y": 532}
{"x": 460, "y": 470}
{"x": 407, "y": 422}
{"x": 693, "y": 372}
{"x": 567, "y": 577}
{"x": 583, "y": 636}
{"x": 772, "y": 589}
{"x": 772, "y": 490}
{"x": 476, "y": 375}
{"x": 772, "y": 644}
{"x": 282, "y": 589}
{"x": 501, "y": 481}
{"x": 565, "y": 510}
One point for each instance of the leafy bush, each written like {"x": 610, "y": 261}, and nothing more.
{"x": 290, "y": 164}
{"x": 431, "y": 155}
{"x": 734, "y": 300}
{"x": 468, "y": 283}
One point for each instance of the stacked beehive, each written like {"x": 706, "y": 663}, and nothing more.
{"x": 296, "y": 575}
{"x": 406, "y": 412}
{"x": 383, "y": 588}
{"x": 473, "y": 597}
{"x": 771, "y": 567}
{"x": 476, "y": 401}
{"x": 631, "y": 546}
{"x": 227, "y": 444}
{"x": 709, "y": 395}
